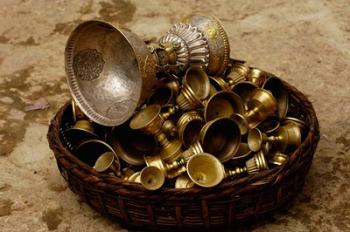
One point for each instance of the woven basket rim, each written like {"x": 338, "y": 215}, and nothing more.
{"x": 114, "y": 184}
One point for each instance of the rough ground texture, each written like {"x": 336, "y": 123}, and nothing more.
{"x": 306, "y": 42}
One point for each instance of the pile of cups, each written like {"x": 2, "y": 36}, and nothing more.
{"x": 173, "y": 117}
{"x": 194, "y": 130}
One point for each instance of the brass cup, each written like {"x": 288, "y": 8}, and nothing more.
{"x": 194, "y": 149}
{"x": 195, "y": 88}
{"x": 131, "y": 145}
{"x": 152, "y": 178}
{"x": 189, "y": 126}
{"x": 136, "y": 177}
{"x": 184, "y": 182}
{"x": 238, "y": 73}
{"x": 162, "y": 96}
{"x": 244, "y": 89}
{"x": 205, "y": 170}
{"x": 257, "y": 76}
{"x": 257, "y": 163}
{"x": 82, "y": 130}
{"x": 219, "y": 83}
{"x": 294, "y": 135}
{"x": 276, "y": 87}
{"x": 91, "y": 150}
{"x": 223, "y": 104}
{"x": 212, "y": 90}
{"x": 278, "y": 158}
{"x": 243, "y": 152}
{"x": 291, "y": 120}
{"x": 156, "y": 161}
{"x": 261, "y": 105}
{"x": 127, "y": 173}
{"x": 270, "y": 125}
{"x": 221, "y": 137}
{"x": 107, "y": 163}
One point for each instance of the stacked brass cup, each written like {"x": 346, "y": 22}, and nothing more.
{"x": 177, "y": 113}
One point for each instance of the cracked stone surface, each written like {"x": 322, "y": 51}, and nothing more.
{"x": 306, "y": 43}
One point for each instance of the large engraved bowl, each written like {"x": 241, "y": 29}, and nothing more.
{"x": 110, "y": 71}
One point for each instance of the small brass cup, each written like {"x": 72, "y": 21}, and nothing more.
{"x": 136, "y": 177}
{"x": 152, "y": 178}
{"x": 107, "y": 163}
{"x": 131, "y": 145}
{"x": 91, "y": 151}
{"x": 238, "y": 73}
{"x": 243, "y": 152}
{"x": 82, "y": 130}
{"x": 244, "y": 89}
{"x": 261, "y": 105}
{"x": 205, "y": 170}
{"x": 221, "y": 137}
{"x": 278, "y": 158}
{"x": 194, "y": 149}
{"x": 257, "y": 76}
{"x": 183, "y": 181}
{"x": 162, "y": 96}
{"x": 223, "y": 104}
{"x": 257, "y": 163}
{"x": 276, "y": 87}
{"x": 189, "y": 126}
{"x": 270, "y": 125}
{"x": 195, "y": 88}
{"x": 156, "y": 161}
{"x": 219, "y": 84}
{"x": 127, "y": 173}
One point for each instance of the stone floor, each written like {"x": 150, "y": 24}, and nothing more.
{"x": 305, "y": 42}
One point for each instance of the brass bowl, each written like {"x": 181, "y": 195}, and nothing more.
{"x": 110, "y": 71}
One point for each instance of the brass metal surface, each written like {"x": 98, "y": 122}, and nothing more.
{"x": 223, "y": 104}
{"x": 244, "y": 89}
{"x": 91, "y": 150}
{"x": 275, "y": 85}
{"x": 238, "y": 73}
{"x": 152, "y": 178}
{"x": 81, "y": 131}
{"x": 257, "y": 76}
{"x": 221, "y": 137}
{"x": 195, "y": 88}
{"x": 131, "y": 145}
{"x": 205, "y": 170}
{"x": 270, "y": 125}
{"x": 189, "y": 126}
{"x": 278, "y": 158}
{"x": 183, "y": 181}
{"x": 106, "y": 162}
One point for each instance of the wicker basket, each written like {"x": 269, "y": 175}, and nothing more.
{"x": 230, "y": 203}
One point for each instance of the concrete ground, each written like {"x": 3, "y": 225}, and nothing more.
{"x": 305, "y": 42}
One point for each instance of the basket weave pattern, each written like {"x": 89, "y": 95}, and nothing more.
{"x": 229, "y": 203}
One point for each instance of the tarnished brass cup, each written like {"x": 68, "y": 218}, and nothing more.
{"x": 131, "y": 145}
{"x": 221, "y": 137}
{"x": 284, "y": 137}
{"x": 195, "y": 88}
{"x": 257, "y": 76}
{"x": 107, "y": 163}
{"x": 150, "y": 121}
{"x": 223, "y": 104}
{"x": 194, "y": 149}
{"x": 238, "y": 73}
{"x": 261, "y": 105}
{"x": 244, "y": 89}
{"x": 256, "y": 164}
{"x": 162, "y": 96}
{"x": 219, "y": 83}
{"x": 156, "y": 161}
{"x": 278, "y": 158}
{"x": 189, "y": 126}
{"x": 91, "y": 151}
{"x": 205, "y": 170}
{"x": 183, "y": 181}
{"x": 82, "y": 130}
{"x": 270, "y": 125}
{"x": 276, "y": 87}
{"x": 152, "y": 178}
{"x": 243, "y": 152}
{"x": 136, "y": 177}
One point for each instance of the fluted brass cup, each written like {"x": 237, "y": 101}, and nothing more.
{"x": 152, "y": 178}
